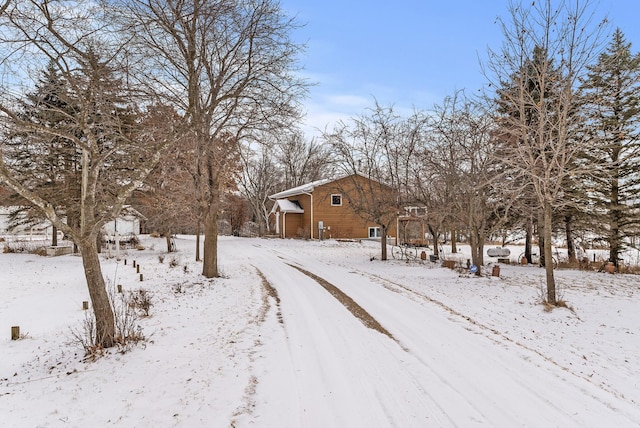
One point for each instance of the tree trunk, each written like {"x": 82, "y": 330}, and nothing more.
{"x": 528, "y": 240}
{"x": 477, "y": 249}
{"x": 614, "y": 213}
{"x": 167, "y": 237}
{"x": 383, "y": 242}
{"x": 265, "y": 220}
{"x": 454, "y": 248}
{"x": 105, "y": 325}
{"x": 614, "y": 225}
{"x": 568, "y": 230}
{"x": 480, "y": 251}
{"x": 542, "y": 233}
{"x": 434, "y": 235}
{"x": 198, "y": 241}
{"x": 210, "y": 265}
{"x": 473, "y": 238}
{"x": 551, "y": 283}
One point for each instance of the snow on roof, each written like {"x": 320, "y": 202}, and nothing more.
{"x": 287, "y": 206}
{"x": 305, "y": 188}
{"x": 129, "y": 211}
{"x": 309, "y": 187}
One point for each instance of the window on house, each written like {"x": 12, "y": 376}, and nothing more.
{"x": 336, "y": 200}
{"x": 374, "y": 232}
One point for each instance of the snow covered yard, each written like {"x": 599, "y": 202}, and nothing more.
{"x": 282, "y": 341}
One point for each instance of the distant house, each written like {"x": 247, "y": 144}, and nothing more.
{"x": 322, "y": 209}
{"x": 127, "y": 224}
{"x": 20, "y": 226}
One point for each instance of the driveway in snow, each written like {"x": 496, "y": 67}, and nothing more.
{"x": 435, "y": 368}
{"x": 320, "y": 334}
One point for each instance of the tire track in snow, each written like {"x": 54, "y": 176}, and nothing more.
{"x": 494, "y": 335}
{"x": 370, "y": 322}
{"x": 498, "y": 336}
{"x": 450, "y": 399}
{"x": 356, "y": 310}
{"x": 267, "y": 292}
{"x": 388, "y": 399}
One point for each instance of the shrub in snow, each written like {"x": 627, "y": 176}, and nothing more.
{"x": 127, "y": 308}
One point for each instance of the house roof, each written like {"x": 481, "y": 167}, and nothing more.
{"x": 129, "y": 212}
{"x": 310, "y": 187}
{"x": 287, "y": 206}
{"x": 300, "y": 190}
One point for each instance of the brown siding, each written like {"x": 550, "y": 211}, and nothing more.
{"x": 339, "y": 221}
{"x": 298, "y": 225}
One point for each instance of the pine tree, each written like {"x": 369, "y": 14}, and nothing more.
{"x": 81, "y": 127}
{"x": 611, "y": 90}
{"x": 544, "y": 154}
{"x": 527, "y": 109}
{"x": 50, "y": 163}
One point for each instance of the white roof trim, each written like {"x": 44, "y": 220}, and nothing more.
{"x": 310, "y": 187}
{"x": 300, "y": 190}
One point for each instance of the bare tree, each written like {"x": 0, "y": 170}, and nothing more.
{"x": 302, "y": 161}
{"x": 260, "y": 178}
{"x": 367, "y": 148}
{"x": 168, "y": 198}
{"x": 104, "y": 133}
{"x": 462, "y": 156}
{"x": 440, "y": 175}
{"x": 545, "y": 52}
{"x": 228, "y": 65}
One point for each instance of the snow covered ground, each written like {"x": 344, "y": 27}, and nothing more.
{"x": 321, "y": 334}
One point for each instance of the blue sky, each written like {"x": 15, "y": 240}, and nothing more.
{"x": 406, "y": 53}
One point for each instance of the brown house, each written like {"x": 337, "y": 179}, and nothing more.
{"x": 323, "y": 209}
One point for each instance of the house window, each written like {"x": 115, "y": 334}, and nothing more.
{"x": 374, "y": 232}
{"x": 336, "y": 200}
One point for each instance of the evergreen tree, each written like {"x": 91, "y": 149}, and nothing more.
{"x": 79, "y": 128}
{"x": 527, "y": 105}
{"x": 561, "y": 41}
{"x": 50, "y": 163}
{"x": 611, "y": 90}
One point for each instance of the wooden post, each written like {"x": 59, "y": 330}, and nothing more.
{"x": 119, "y": 288}
{"x": 495, "y": 271}
{"x": 140, "y": 277}
{"x": 15, "y": 332}
{"x": 134, "y": 263}
{"x": 125, "y": 262}
{"x": 138, "y": 269}
{"x": 85, "y": 305}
